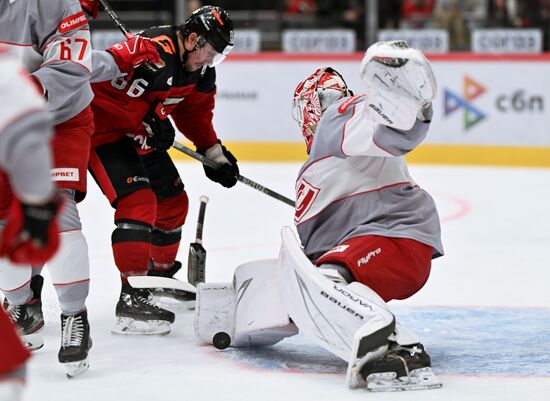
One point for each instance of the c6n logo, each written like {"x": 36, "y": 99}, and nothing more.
{"x": 471, "y": 91}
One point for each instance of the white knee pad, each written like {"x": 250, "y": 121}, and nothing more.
{"x": 250, "y": 310}
{"x": 70, "y": 264}
{"x": 13, "y": 276}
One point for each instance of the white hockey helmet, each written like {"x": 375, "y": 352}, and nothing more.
{"x": 312, "y": 97}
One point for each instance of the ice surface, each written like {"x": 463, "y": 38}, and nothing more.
{"x": 484, "y": 315}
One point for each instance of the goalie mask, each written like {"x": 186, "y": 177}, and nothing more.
{"x": 312, "y": 97}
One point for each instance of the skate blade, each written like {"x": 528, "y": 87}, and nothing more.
{"x": 418, "y": 379}
{"x": 33, "y": 342}
{"x": 128, "y": 326}
{"x": 73, "y": 369}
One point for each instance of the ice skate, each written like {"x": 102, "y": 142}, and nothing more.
{"x": 162, "y": 294}
{"x": 28, "y": 317}
{"x": 75, "y": 343}
{"x": 136, "y": 315}
{"x": 401, "y": 368}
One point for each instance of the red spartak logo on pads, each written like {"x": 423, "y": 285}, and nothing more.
{"x": 72, "y": 22}
{"x": 305, "y": 197}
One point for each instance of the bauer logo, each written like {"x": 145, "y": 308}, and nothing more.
{"x": 471, "y": 90}
{"x": 305, "y": 196}
{"x": 380, "y": 113}
{"x": 72, "y": 22}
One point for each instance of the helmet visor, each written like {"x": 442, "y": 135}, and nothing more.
{"x": 212, "y": 57}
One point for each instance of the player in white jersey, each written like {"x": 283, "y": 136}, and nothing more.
{"x": 55, "y": 38}
{"x": 368, "y": 232}
{"x": 31, "y": 233}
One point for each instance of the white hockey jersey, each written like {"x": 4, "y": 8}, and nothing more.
{"x": 25, "y": 132}
{"x": 356, "y": 182}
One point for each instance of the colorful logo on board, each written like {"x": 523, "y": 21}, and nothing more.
{"x": 472, "y": 90}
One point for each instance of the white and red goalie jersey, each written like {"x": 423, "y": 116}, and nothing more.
{"x": 356, "y": 182}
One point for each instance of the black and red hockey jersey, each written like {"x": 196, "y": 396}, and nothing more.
{"x": 120, "y": 105}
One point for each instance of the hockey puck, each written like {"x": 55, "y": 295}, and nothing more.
{"x": 221, "y": 340}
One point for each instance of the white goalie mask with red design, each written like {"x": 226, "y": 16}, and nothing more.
{"x": 312, "y": 97}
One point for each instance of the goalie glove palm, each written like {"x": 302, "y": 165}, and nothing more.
{"x": 400, "y": 82}
{"x": 160, "y": 132}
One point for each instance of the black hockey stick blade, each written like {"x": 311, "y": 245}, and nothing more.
{"x": 196, "y": 260}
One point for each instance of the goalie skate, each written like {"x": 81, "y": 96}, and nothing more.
{"x": 418, "y": 379}
{"x": 401, "y": 368}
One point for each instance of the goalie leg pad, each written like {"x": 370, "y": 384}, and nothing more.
{"x": 329, "y": 313}
{"x": 250, "y": 311}
{"x": 214, "y": 311}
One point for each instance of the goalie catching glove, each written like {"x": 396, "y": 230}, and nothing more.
{"x": 228, "y": 171}
{"x": 32, "y": 233}
{"x": 400, "y": 84}
{"x": 160, "y": 132}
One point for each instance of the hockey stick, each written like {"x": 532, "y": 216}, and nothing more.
{"x": 247, "y": 181}
{"x": 196, "y": 261}
{"x": 120, "y": 25}
{"x": 115, "y": 18}
{"x": 161, "y": 282}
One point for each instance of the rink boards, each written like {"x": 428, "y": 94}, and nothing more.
{"x": 492, "y": 110}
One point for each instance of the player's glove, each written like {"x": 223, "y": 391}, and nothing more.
{"x": 91, "y": 7}
{"x": 134, "y": 52}
{"x": 160, "y": 132}
{"x": 228, "y": 171}
{"x": 31, "y": 235}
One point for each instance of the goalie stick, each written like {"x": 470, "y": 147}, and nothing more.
{"x": 196, "y": 261}
{"x": 247, "y": 181}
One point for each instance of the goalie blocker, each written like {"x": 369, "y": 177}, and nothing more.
{"x": 270, "y": 300}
